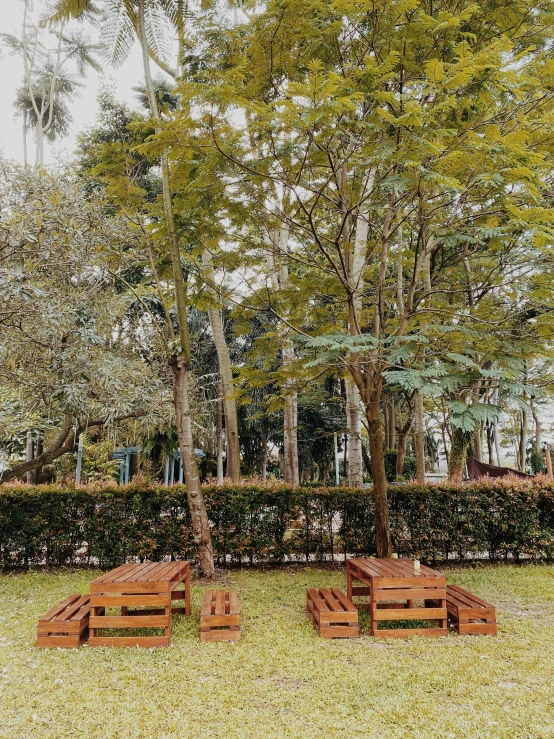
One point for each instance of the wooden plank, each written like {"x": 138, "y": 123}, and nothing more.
{"x": 332, "y": 603}
{"x": 219, "y": 603}
{"x": 339, "y": 632}
{"x": 477, "y": 629}
{"x": 405, "y": 633}
{"x": 56, "y": 610}
{"x": 465, "y": 596}
{"x": 71, "y": 611}
{"x": 207, "y": 603}
{"x": 221, "y": 635}
{"x": 130, "y": 587}
{"x": 128, "y": 600}
{"x": 434, "y": 583}
{"x": 342, "y": 617}
{"x": 381, "y": 594}
{"x": 133, "y": 572}
{"x": 129, "y": 622}
{"x": 107, "y": 576}
{"x": 410, "y": 614}
{"x": 61, "y": 642}
{"x": 224, "y": 619}
{"x": 234, "y": 605}
{"x": 346, "y": 604}
{"x": 145, "y": 642}
{"x": 161, "y": 572}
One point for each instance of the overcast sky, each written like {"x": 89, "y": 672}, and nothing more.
{"x": 83, "y": 109}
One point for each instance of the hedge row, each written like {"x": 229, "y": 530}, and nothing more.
{"x": 108, "y": 526}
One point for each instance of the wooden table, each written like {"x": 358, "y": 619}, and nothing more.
{"x": 393, "y": 585}
{"x": 148, "y": 589}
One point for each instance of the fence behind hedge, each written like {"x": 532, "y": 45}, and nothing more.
{"x": 108, "y": 526}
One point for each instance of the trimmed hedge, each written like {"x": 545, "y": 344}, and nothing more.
{"x": 107, "y": 526}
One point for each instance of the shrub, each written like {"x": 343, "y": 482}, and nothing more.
{"x": 273, "y": 524}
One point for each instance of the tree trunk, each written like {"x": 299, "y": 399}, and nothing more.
{"x": 382, "y": 527}
{"x": 290, "y": 420}
{"x": 264, "y": 452}
{"x": 195, "y": 497}
{"x": 226, "y": 373}
{"x": 419, "y": 437}
{"x": 219, "y": 440}
{"x": 354, "y": 425}
{"x": 29, "y": 456}
{"x": 458, "y": 453}
{"x": 179, "y": 362}
{"x": 403, "y": 436}
{"x": 477, "y": 446}
{"x": 523, "y": 440}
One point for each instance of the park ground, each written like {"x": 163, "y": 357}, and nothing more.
{"x": 281, "y": 680}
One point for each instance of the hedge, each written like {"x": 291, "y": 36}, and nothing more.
{"x": 107, "y": 526}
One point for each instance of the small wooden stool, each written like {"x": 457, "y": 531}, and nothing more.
{"x": 468, "y": 613}
{"x": 67, "y": 624}
{"x": 220, "y": 616}
{"x": 333, "y": 615}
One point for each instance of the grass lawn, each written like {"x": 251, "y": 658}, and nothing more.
{"x": 281, "y": 680}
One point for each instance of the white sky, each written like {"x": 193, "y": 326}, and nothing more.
{"x": 83, "y": 108}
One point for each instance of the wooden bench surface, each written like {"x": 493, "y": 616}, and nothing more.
{"x": 67, "y": 616}
{"x": 220, "y": 603}
{"x": 461, "y": 598}
{"x": 333, "y": 615}
{"x": 331, "y": 601}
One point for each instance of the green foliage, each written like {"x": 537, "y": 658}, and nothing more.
{"x": 109, "y": 525}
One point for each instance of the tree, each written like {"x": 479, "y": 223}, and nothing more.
{"x": 49, "y": 77}
{"x": 67, "y": 354}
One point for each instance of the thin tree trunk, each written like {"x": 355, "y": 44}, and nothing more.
{"x": 226, "y": 373}
{"x": 219, "y": 440}
{"x": 382, "y": 526}
{"x": 290, "y": 419}
{"x": 179, "y": 362}
{"x": 29, "y": 456}
{"x": 403, "y": 436}
{"x": 477, "y": 446}
{"x": 354, "y": 425}
{"x": 419, "y": 437}
{"x": 197, "y": 506}
{"x": 264, "y": 452}
{"x": 523, "y": 440}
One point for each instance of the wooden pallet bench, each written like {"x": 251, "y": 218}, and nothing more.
{"x": 333, "y": 615}
{"x": 220, "y": 616}
{"x": 468, "y": 613}
{"x": 67, "y": 624}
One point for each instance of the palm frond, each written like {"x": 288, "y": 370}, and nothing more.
{"x": 118, "y": 32}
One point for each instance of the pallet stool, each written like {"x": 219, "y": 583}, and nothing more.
{"x": 333, "y": 615}
{"x": 67, "y": 624}
{"x": 220, "y": 616}
{"x": 468, "y": 613}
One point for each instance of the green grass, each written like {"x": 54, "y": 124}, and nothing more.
{"x": 281, "y": 680}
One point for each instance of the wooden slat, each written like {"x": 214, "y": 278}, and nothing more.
{"x": 129, "y": 622}
{"x": 340, "y": 632}
{"x": 57, "y": 642}
{"x": 477, "y": 629}
{"x": 437, "y": 583}
{"x": 346, "y": 604}
{"x": 128, "y": 600}
{"x": 405, "y": 633}
{"x": 332, "y": 603}
{"x": 224, "y": 619}
{"x": 467, "y": 597}
{"x": 221, "y": 635}
{"x": 145, "y": 642}
{"x": 132, "y": 574}
{"x": 207, "y": 603}
{"x": 234, "y": 605}
{"x": 130, "y": 587}
{"x": 70, "y": 611}
{"x": 56, "y": 610}
{"x": 220, "y": 603}
{"x": 340, "y": 617}
{"x": 404, "y": 594}
{"x": 409, "y": 614}
{"x": 114, "y": 573}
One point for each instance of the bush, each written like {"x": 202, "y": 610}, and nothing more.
{"x": 273, "y": 524}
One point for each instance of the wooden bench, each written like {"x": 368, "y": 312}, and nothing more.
{"x": 469, "y": 614}
{"x": 333, "y": 615}
{"x": 220, "y": 616}
{"x": 67, "y": 624}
